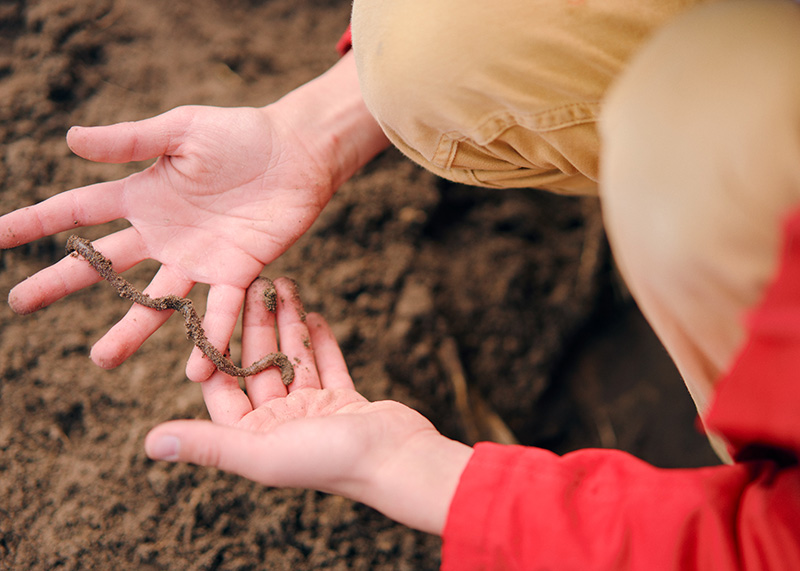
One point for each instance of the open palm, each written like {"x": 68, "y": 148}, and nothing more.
{"x": 230, "y": 191}
{"x": 318, "y": 433}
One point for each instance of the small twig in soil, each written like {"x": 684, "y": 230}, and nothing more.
{"x": 194, "y": 328}
{"x": 479, "y": 420}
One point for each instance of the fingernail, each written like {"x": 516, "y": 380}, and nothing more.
{"x": 165, "y": 448}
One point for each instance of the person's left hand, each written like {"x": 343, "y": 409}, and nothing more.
{"x": 318, "y": 433}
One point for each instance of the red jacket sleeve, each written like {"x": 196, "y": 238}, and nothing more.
{"x": 345, "y": 43}
{"x": 519, "y": 508}
{"x": 525, "y": 508}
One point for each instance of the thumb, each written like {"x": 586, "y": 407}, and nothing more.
{"x": 303, "y": 454}
{"x": 131, "y": 141}
{"x": 206, "y": 444}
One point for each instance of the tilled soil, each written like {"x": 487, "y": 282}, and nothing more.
{"x": 421, "y": 278}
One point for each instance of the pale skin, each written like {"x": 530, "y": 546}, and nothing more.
{"x": 229, "y": 192}
{"x": 318, "y": 433}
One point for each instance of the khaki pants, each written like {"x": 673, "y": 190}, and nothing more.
{"x": 700, "y": 133}
{"x": 501, "y": 93}
{"x": 700, "y": 166}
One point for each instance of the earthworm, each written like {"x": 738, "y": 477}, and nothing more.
{"x": 194, "y": 328}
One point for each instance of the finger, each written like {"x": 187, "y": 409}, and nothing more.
{"x": 296, "y": 454}
{"x": 259, "y": 339}
{"x": 72, "y": 273}
{"x": 125, "y": 338}
{"x": 331, "y": 365}
{"x": 207, "y": 444}
{"x": 295, "y": 340}
{"x": 222, "y": 311}
{"x": 86, "y": 206}
{"x": 225, "y": 400}
{"x": 131, "y": 141}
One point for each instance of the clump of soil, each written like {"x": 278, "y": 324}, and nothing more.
{"x": 517, "y": 282}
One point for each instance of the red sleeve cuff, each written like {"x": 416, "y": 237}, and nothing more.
{"x": 474, "y": 536}
{"x": 527, "y": 508}
{"x": 345, "y": 43}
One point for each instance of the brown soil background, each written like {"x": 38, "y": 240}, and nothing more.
{"x": 403, "y": 264}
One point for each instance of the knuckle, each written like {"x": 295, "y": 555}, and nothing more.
{"x": 208, "y": 455}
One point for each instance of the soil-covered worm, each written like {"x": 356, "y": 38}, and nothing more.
{"x": 194, "y": 328}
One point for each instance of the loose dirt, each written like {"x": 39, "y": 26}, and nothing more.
{"x": 436, "y": 292}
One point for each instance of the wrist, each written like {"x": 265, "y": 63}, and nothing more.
{"x": 329, "y": 117}
{"x": 418, "y": 486}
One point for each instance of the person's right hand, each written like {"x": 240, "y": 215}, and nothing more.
{"x": 231, "y": 190}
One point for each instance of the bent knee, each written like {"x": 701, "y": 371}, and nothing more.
{"x": 718, "y": 85}
{"x": 699, "y": 165}
{"x": 498, "y": 95}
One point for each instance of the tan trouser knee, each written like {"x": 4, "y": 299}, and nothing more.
{"x": 701, "y": 162}
{"x": 502, "y": 94}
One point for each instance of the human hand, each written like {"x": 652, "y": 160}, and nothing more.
{"x": 318, "y": 433}
{"x": 230, "y": 191}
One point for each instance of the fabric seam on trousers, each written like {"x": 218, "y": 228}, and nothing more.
{"x": 553, "y": 119}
